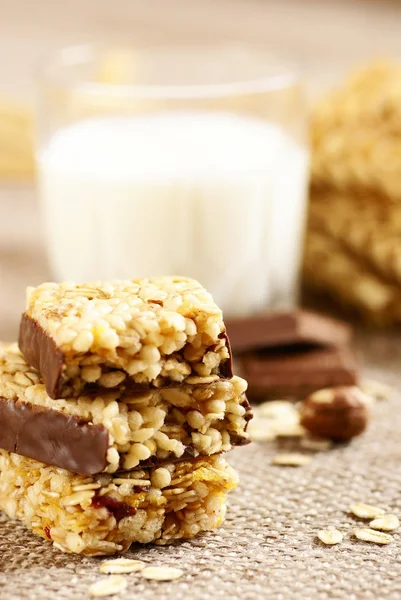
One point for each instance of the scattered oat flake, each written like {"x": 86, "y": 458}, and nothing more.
{"x": 366, "y": 511}
{"x": 108, "y": 586}
{"x": 370, "y": 535}
{"x": 316, "y": 444}
{"x": 275, "y": 419}
{"x": 278, "y": 409}
{"x": 288, "y": 429}
{"x": 291, "y": 459}
{"x": 385, "y": 523}
{"x": 259, "y": 433}
{"x": 330, "y": 536}
{"x": 121, "y": 565}
{"x": 162, "y": 573}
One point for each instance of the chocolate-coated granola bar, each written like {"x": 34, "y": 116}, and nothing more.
{"x": 128, "y": 334}
{"x": 111, "y": 431}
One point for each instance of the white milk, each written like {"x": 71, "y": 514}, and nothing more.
{"x": 217, "y": 197}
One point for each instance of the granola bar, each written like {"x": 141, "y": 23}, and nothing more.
{"x": 356, "y": 132}
{"x": 328, "y": 269}
{"x": 105, "y": 514}
{"x": 128, "y": 334}
{"x": 368, "y": 229}
{"x": 354, "y": 211}
{"x": 111, "y": 431}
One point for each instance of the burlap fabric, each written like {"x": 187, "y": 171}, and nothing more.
{"x": 267, "y": 547}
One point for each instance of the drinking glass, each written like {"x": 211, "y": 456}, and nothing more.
{"x": 175, "y": 161}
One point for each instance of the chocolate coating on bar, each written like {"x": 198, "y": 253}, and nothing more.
{"x": 52, "y": 437}
{"x": 226, "y": 368}
{"x": 42, "y": 353}
{"x": 296, "y": 373}
{"x": 273, "y": 329}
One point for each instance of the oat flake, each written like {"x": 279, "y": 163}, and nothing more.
{"x": 162, "y": 573}
{"x": 291, "y": 459}
{"x": 370, "y": 535}
{"x": 366, "y": 511}
{"x": 121, "y": 565}
{"x": 330, "y": 536}
{"x": 316, "y": 444}
{"x": 385, "y": 523}
{"x": 108, "y": 586}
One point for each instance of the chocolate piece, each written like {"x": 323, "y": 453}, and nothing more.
{"x": 273, "y": 329}
{"x": 52, "y": 437}
{"x": 41, "y": 352}
{"x": 291, "y": 372}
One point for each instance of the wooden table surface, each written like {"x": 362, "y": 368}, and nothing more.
{"x": 325, "y": 38}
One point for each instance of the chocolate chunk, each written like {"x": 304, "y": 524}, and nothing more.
{"x": 52, "y": 437}
{"x": 154, "y": 462}
{"x": 273, "y": 329}
{"x": 189, "y": 452}
{"x": 294, "y": 372}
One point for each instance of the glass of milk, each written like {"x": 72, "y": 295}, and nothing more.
{"x": 185, "y": 160}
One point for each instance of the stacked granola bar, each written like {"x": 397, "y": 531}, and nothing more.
{"x": 115, "y": 411}
{"x": 355, "y": 206}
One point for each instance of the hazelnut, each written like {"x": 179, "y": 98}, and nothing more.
{"x": 338, "y": 413}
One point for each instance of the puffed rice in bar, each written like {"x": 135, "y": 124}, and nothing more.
{"x": 88, "y": 435}
{"x": 111, "y": 513}
{"x": 124, "y": 333}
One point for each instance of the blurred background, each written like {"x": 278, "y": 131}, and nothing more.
{"x": 326, "y": 39}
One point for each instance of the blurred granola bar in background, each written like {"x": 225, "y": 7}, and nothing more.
{"x": 353, "y": 246}
{"x": 16, "y": 141}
